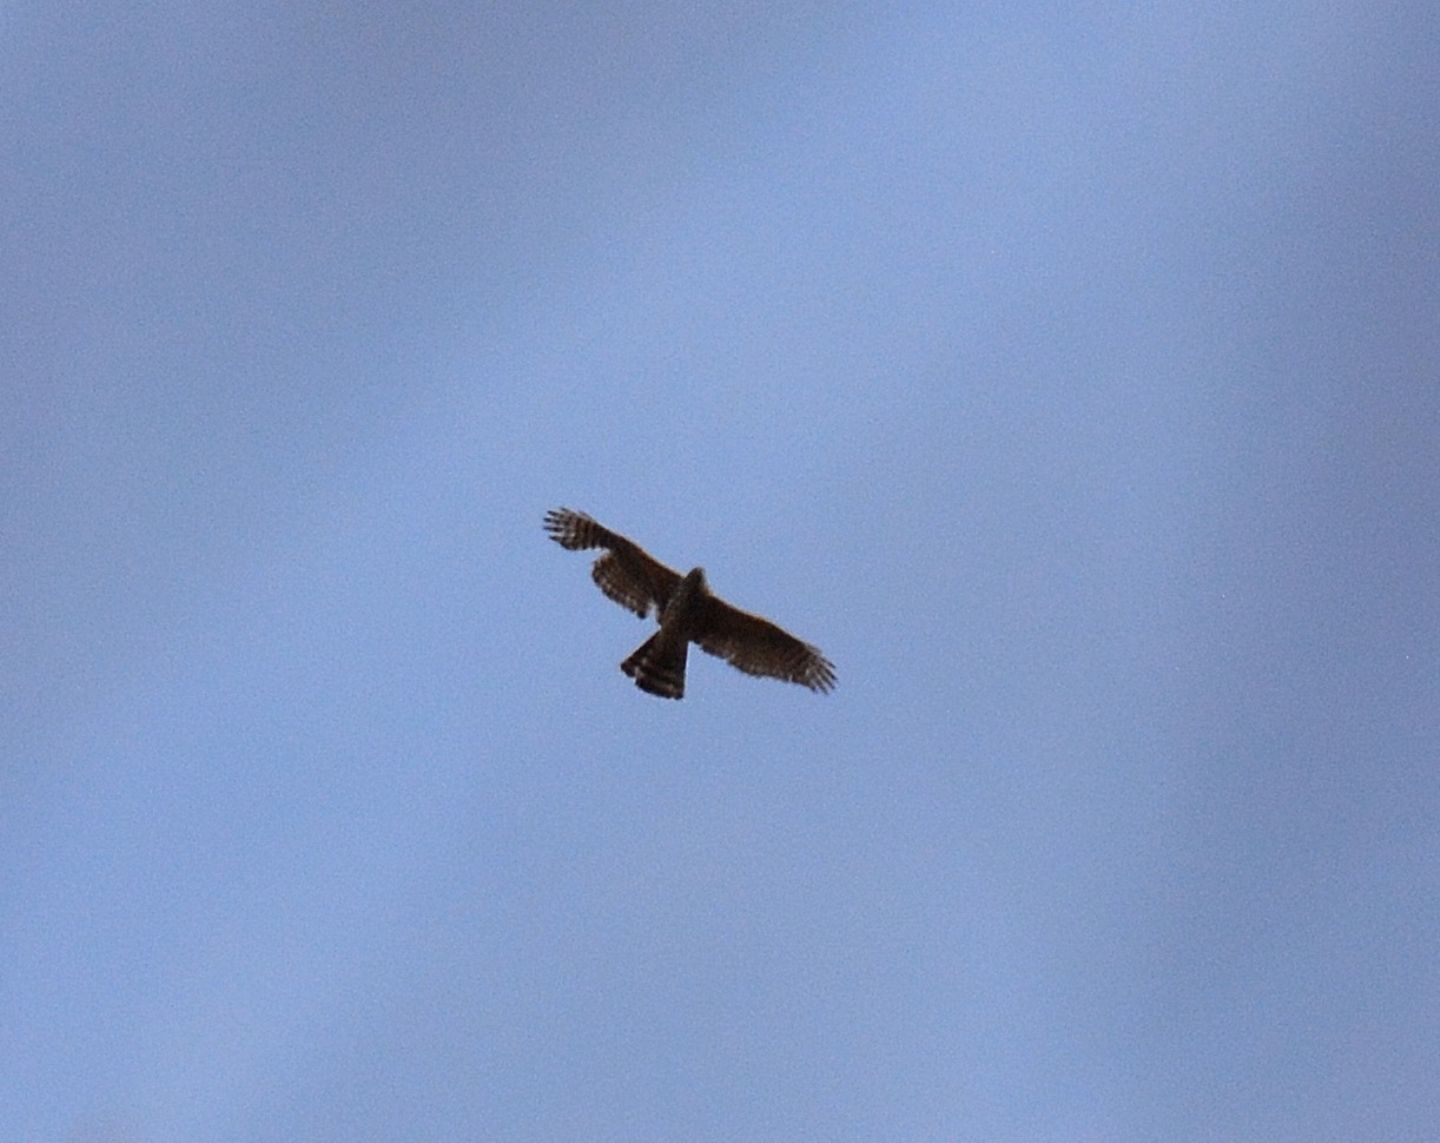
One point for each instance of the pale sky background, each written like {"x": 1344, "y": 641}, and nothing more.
{"x": 1068, "y": 373}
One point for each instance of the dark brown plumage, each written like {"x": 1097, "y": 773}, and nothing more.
{"x": 688, "y": 613}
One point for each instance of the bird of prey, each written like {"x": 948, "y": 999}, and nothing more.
{"x": 688, "y": 613}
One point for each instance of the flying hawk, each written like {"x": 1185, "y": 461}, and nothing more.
{"x": 688, "y": 613}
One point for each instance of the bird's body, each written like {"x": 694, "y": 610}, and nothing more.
{"x": 689, "y": 613}
{"x": 658, "y": 664}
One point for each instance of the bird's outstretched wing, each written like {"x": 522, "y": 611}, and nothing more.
{"x": 627, "y": 573}
{"x": 758, "y": 647}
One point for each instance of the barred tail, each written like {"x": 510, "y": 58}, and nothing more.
{"x": 658, "y": 668}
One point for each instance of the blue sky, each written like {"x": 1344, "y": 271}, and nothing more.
{"x": 1069, "y": 377}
